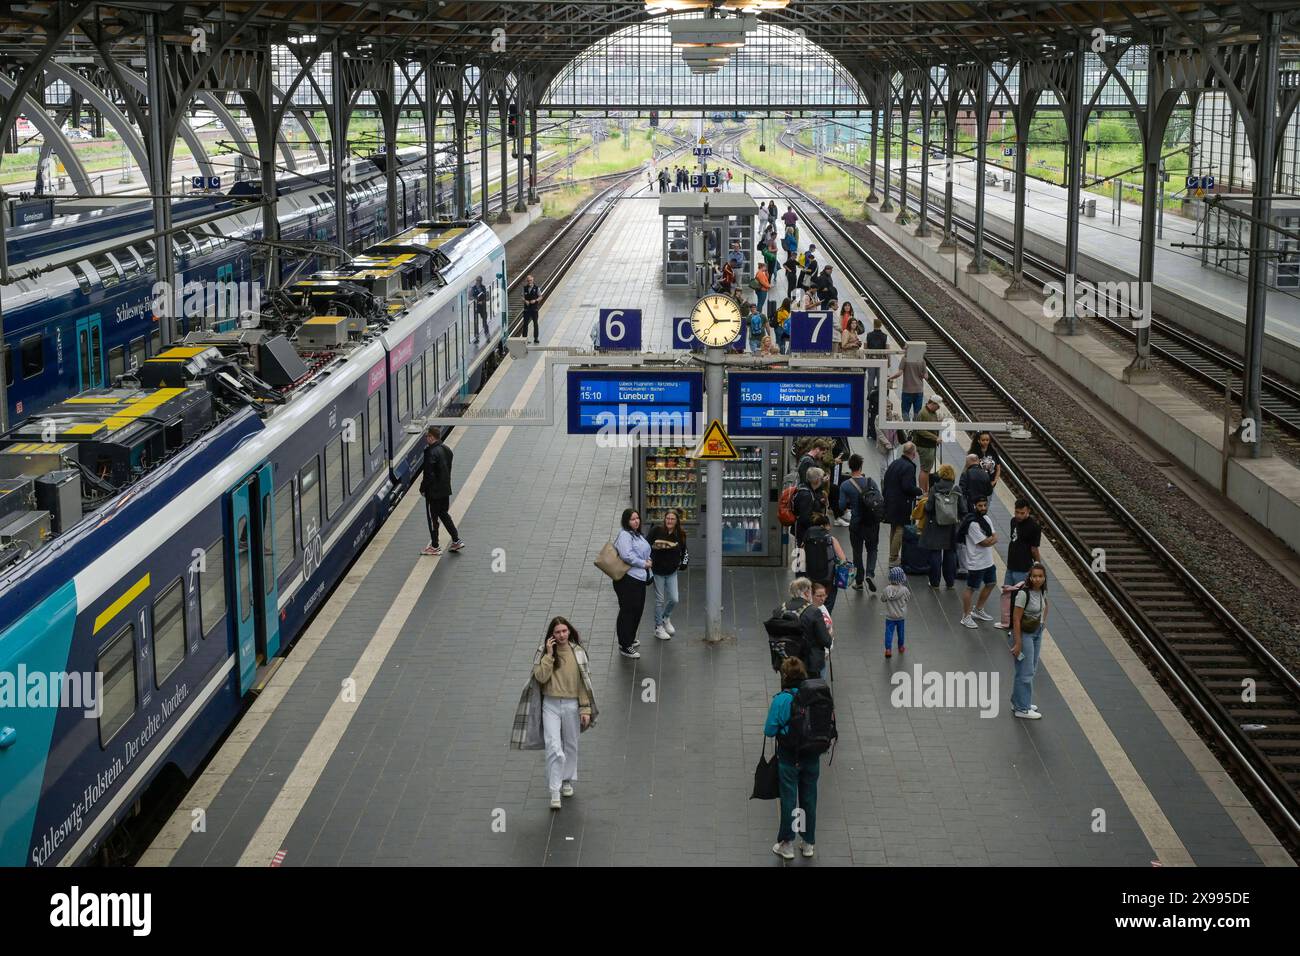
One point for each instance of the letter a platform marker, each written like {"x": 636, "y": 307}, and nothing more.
{"x": 716, "y": 446}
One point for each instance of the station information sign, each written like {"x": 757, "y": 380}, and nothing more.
{"x": 605, "y": 401}
{"x": 770, "y": 404}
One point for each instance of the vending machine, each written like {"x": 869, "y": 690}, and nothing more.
{"x": 669, "y": 477}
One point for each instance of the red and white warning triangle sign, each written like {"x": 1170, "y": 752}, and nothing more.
{"x": 716, "y": 446}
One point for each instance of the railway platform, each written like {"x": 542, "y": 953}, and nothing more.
{"x": 382, "y": 739}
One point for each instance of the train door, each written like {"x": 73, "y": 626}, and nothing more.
{"x": 222, "y": 320}
{"x": 254, "y": 596}
{"x": 90, "y": 353}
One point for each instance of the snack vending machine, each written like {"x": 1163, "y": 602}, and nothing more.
{"x": 669, "y": 477}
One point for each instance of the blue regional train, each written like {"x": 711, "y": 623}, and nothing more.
{"x": 177, "y": 529}
{"x": 78, "y": 326}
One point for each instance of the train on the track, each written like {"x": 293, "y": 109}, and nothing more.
{"x": 74, "y": 327}
{"x": 178, "y": 528}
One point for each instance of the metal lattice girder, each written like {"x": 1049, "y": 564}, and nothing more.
{"x": 52, "y": 132}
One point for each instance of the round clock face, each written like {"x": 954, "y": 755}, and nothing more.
{"x": 716, "y": 320}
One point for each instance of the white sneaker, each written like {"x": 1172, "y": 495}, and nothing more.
{"x": 843, "y": 523}
{"x": 668, "y": 626}
{"x": 1002, "y": 627}
{"x": 630, "y": 653}
{"x": 784, "y": 850}
{"x": 969, "y": 621}
{"x": 635, "y": 645}
{"x": 567, "y": 789}
{"x": 661, "y": 632}
{"x": 807, "y": 849}
{"x": 1028, "y": 714}
{"x": 979, "y": 614}
{"x": 556, "y": 803}
{"x": 1034, "y": 708}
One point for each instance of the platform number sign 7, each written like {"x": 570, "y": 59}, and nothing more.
{"x": 811, "y": 331}
{"x": 620, "y": 329}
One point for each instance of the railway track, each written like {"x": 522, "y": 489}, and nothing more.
{"x": 1247, "y": 702}
{"x": 1203, "y": 365}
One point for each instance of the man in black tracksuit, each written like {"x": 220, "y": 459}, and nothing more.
{"x": 436, "y": 488}
{"x": 478, "y": 295}
{"x": 532, "y": 305}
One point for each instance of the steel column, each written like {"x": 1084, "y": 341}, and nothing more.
{"x": 875, "y": 126}
{"x": 340, "y": 114}
{"x": 503, "y": 103}
{"x": 460, "y": 110}
{"x": 714, "y": 361}
{"x": 390, "y": 112}
{"x": 1249, "y": 438}
{"x": 903, "y": 216}
{"x": 265, "y": 131}
{"x": 484, "y": 114}
{"x": 885, "y": 204}
{"x": 949, "y": 240}
{"x": 430, "y": 139}
{"x": 923, "y": 227}
{"x": 1152, "y": 139}
{"x": 1024, "y": 115}
{"x": 532, "y": 159}
{"x": 520, "y": 204}
{"x": 977, "y": 264}
{"x": 1075, "y": 122}
{"x": 160, "y": 152}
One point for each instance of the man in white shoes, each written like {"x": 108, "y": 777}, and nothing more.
{"x": 977, "y": 536}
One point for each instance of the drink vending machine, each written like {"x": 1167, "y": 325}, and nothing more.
{"x": 667, "y": 477}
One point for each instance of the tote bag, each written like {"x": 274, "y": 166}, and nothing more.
{"x": 767, "y": 777}
{"x": 609, "y": 562}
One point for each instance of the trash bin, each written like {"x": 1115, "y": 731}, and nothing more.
{"x": 1090, "y": 209}
{"x": 1006, "y": 185}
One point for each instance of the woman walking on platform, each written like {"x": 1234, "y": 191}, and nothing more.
{"x": 557, "y": 705}
{"x": 667, "y": 552}
{"x": 634, "y": 549}
{"x": 1028, "y": 615}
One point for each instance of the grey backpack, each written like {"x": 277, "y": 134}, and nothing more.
{"x": 945, "y": 507}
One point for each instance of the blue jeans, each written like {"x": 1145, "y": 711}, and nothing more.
{"x": 665, "y": 597}
{"x": 1031, "y": 645}
{"x": 892, "y": 626}
{"x": 1015, "y": 577}
{"x": 943, "y": 561}
{"x": 798, "y": 788}
{"x": 760, "y": 299}
{"x": 912, "y": 404}
{"x": 871, "y": 540}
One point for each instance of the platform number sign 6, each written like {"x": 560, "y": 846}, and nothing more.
{"x": 620, "y": 329}
{"x": 811, "y": 331}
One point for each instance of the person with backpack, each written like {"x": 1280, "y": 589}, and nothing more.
{"x": 791, "y": 267}
{"x": 945, "y": 507}
{"x": 899, "y": 489}
{"x": 801, "y": 719}
{"x": 635, "y": 551}
{"x": 975, "y": 482}
{"x": 1028, "y": 616}
{"x": 927, "y": 441}
{"x": 556, "y": 707}
{"x": 781, "y": 326}
{"x": 809, "y": 500}
{"x": 667, "y": 553}
{"x": 822, "y": 552}
{"x": 785, "y": 628}
{"x": 895, "y": 598}
{"x": 977, "y": 536}
{"x": 757, "y": 326}
{"x": 981, "y": 447}
{"x": 861, "y": 498}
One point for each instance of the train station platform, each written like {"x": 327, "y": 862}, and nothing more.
{"x": 383, "y": 738}
{"x": 1205, "y": 300}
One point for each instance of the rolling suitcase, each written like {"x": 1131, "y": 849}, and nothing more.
{"x": 915, "y": 559}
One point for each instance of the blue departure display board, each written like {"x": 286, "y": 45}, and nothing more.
{"x": 608, "y": 401}
{"x": 769, "y": 404}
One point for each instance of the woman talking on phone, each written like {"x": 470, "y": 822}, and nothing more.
{"x": 556, "y": 707}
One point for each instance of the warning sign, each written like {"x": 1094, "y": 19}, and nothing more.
{"x": 716, "y": 446}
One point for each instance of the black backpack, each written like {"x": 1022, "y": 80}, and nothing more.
{"x": 819, "y": 549}
{"x": 811, "y": 730}
{"x": 785, "y": 636}
{"x": 872, "y": 502}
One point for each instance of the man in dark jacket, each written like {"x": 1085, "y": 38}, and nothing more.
{"x": 864, "y": 529}
{"x": 975, "y": 481}
{"x": 533, "y": 304}
{"x": 436, "y": 488}
{"x": 811, "y": 458}
{"x": 825, "y": 285}
{"x": 816, "y": 635}
{"x": 809, "y": 499}
{"x": 478, "y": 296}
{"x": 899, "y": 491}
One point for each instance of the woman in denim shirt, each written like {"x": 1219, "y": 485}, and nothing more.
{"x": 634, "y": 549}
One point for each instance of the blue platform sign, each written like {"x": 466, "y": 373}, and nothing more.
{"x": 812, "y": 331}
{"x": 1008, "y": 151}
{"x": 196, "y": 182}
{"x": 771, "y": 404}
{"x": 605, "y": 401}
{"x": 696, "y": 180}
{"x": 620, "y": 329}
{"x": 684, "y": 335}
{"x": 214, "y": 182}
{"x": 1200, "y": 182}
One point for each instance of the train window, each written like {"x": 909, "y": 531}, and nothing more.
{"x": 137, "y": 352}
{"x": 285, "y": 541}
{"x": 376, "y": 424}
{"x": 83, "y": 282}
{"x": 83, "y": 356}
{"x": 117, "y": 697}
{"x": 168, "y": 632}
{"x": 430, "y": 373}
{"x": 148, "y": 258}
{"x": 356, "y": 457}
{"x": 96, "y": 350}
{"x": 108, "y": 274}
{"x": 116, "y": 361}
{"x": 268, "y": 546}
{"x": 403, "y": 392}
{"x": 212, "y": 587}
{"x": 244, "y": 570}
{"x": 8, "y": 356}
{"x": 309, "y": 498}
{"x": 419, "y": 397}
{"x": 155, "y": 342}
{"x": 33, "y": 355}
{"x": 333, "y": 475}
